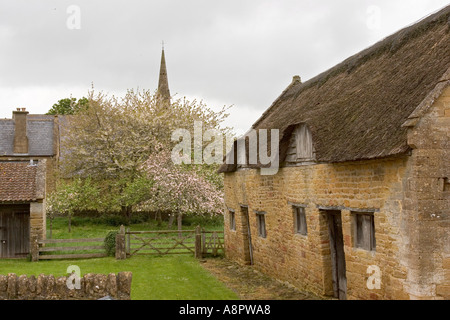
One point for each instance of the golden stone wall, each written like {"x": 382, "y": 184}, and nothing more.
{"x": 427, "y": 204}
{"x": 303, "y": 260}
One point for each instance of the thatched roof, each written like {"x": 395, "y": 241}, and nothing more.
{"x": 356, "y": 109}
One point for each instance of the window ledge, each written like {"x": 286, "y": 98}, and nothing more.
{"x": 301, "y": 235}
{"x": 300, "y": 163}
{"x": 371, "y": 253}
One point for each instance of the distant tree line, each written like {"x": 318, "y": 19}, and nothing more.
{"x": 68, "y": 106}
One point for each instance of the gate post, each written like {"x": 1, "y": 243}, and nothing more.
{"x": 204, "y": 246}
{"x": 198, "y": 243}
{"x": 120, "y": 244}
{"x": 34, "y": 248}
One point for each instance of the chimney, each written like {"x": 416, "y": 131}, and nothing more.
{"x": 296, "y": 79}
{"x": 20, "y": 130}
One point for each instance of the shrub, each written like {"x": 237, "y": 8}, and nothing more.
{"x": 115, "y": 220}
{"x": 139, "y": 217}
{"x": 110, "y": 243}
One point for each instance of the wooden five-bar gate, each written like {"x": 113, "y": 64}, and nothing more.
{"x": 198, "y": 242}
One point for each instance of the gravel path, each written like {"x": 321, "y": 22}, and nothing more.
{"x": 250, "y": 284}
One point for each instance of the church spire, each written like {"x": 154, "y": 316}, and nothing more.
{"x": 163, "y": 85}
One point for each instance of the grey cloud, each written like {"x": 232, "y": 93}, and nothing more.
{"x": 237, "y": 52}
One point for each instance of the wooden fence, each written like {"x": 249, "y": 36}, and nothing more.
{"x": 70, "y": 249}
{"x": 129, "y": 243}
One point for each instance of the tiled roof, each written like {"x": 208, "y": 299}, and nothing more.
{"x": 39, "y": 133}
{"x": 17, "y": 181}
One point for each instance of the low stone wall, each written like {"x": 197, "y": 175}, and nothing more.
{"x": 47, "y": 287}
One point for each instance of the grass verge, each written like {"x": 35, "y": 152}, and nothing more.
{"x": 170, "y": 277}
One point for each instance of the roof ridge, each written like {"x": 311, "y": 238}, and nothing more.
{"x": 426, "y": 103}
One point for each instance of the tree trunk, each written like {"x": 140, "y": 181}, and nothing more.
{"x": 179, "y": 222}
{"x": 70, "y": 223}
{"x": 51, "y": 227}
{"x": 171, "y": 218}
{"x": 159, "y": 218}
{"x": 127, "y": 211}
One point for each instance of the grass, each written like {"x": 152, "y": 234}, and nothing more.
{"x": 170, "y": 277}
{"x": 87, "y": 227}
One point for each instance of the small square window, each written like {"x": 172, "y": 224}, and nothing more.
{"x": 261, "y": 224}
{"x": 232, "y": 220}
{"x": 364, "y": 231}
{"x": 300, "y": 220}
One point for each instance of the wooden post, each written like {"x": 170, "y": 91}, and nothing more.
{"x": 120, "y": 244}
{"x": 128, "y": 241}
{"x": 198, "y": 243}
{"x": 214, "y": 248}
{"x": 204, "y": 246}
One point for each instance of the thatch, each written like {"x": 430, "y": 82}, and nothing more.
{"x": 356, "y": 109}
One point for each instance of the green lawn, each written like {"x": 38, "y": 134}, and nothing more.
{"x": 169, "y": 277}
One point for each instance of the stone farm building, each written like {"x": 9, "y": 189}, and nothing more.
{"x": 29, "y": 148}
{"x": 360, "y": 207}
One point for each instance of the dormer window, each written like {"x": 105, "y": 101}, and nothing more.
{"x": 300, "y": 146}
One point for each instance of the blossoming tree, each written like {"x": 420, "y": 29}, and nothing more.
{"x": 71, "y": 196}
{"x": 123, "y": 145}
{"x": 180, "y": 189}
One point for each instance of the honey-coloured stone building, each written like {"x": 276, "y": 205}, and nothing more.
{"x": 360, "y": 205}
{"x": 29, "y": 149}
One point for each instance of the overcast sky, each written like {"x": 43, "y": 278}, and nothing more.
{"x": 241, "y": 53}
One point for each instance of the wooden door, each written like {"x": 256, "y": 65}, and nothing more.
{"x": 14, "y": 231}
{"x": 4, "y": 242}
{"x": 247, "y": 235}
{"x": 337, "y": 255}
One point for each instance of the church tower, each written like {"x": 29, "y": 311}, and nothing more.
{"x": 163, "y": 85}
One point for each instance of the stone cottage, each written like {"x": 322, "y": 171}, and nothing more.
{"x": 360, "y": 206}
{"x": 29, "y": 148}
